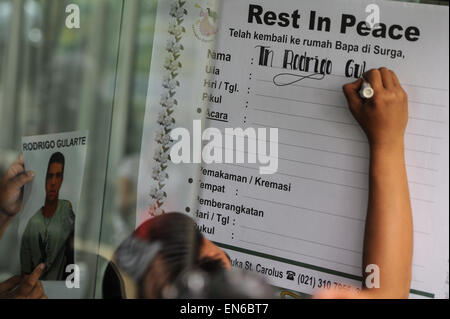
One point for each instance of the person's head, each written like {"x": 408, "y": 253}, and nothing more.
{"x": 54, "y": 177}
{"x": 180, "y": 247}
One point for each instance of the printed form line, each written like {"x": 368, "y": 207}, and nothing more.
{"x": 302, "y": 239}
{"x": 345, "y": 154}
{"x": 300, "y": 254}
{"x": 349, "y": 170}
{"x": 311, "y": 256}
{"x": 349, "y": 155}
{"x": 333, "y": 167}
{"x": 339, "y": 137}
{"x": 349, "y": 123}
{"x": 301, "y": 101}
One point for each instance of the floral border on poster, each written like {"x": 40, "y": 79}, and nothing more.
{"x": 168, "y": 102}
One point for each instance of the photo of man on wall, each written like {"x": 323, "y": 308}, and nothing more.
{"x": 49, "y": 234}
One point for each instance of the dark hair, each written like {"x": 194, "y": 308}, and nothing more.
{"x": 179, "y": 243}
{"x": 57, "y": 157}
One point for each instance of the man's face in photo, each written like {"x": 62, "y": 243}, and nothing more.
{"x": 53, "y": 181}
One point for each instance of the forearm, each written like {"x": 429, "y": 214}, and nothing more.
{"x": 388, "y": 241}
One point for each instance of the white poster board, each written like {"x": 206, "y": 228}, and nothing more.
{"x": 286, "y": 62}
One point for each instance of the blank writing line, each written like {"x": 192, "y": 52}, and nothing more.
{"x": 323, "y": 212}
{"x": 300, "y": 254}
{"x": 421, "y": 167}
{"x": 311, "y": 242}
{"x": 326, "y": 151}
{"x": 339, "y": 153}
{"x": 305, "y": 117}
{"x": 420, "y": 151}
{"x": 424, "y": 103}
{"x": 422, "y": 200}
{"x": 424, "y": 135}
{"x": 349, "y": 155}
{"x": 341, "y": 138}
{"x": 345, "y": 123}
{"x": 295, "y": 100}
{"x": 297, "y": 161}
{"x": 426, "y": 120}
{"x": 424, "y": 87}
{"x": 302, "y": 239}
{"x": 348, "y": 170}
{"x": 422, "y": 232}
{"x": 420, "y": 183}
{"x": 311, "y": 133}
{"x": 324, "y": 166}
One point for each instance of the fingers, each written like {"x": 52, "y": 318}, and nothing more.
{"x": 386, "y": 76}
{"x": 351, "y": 92}
{"x": 36, "y": 274}
{"x": 375, "y": 80}
{"x": 17, "y": 168}
{"x": 10, "y": 283}
{"x": 395, "y": 79}
{"x": 23, "y": 179}
{"x": 37, "y": 292}
{"x": 14, "y": 170}
{"x": 20, "y": 159}
{"x": 30, "y": 281}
